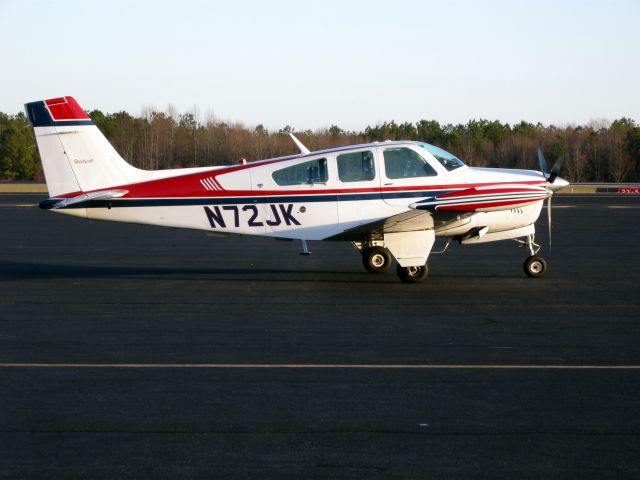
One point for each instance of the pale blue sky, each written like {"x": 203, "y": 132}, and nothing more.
{"x": 313, "y": 64}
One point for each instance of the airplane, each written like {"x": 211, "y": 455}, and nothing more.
{"x": 390, "y": 199}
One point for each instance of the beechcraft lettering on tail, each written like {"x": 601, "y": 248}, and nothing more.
{"x": 391, "y": 200}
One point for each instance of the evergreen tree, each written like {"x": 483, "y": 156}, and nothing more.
{"x": 17, "y": 150}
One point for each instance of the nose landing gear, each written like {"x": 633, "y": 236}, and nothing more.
{"x": 534, "y": 266}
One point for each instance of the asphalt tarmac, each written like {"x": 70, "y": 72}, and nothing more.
{"x": 139, "y": 352}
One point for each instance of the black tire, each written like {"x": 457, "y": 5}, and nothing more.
{"x": 412, "y": 274}
{"x": 376, "y": 259}
{"x": 535, "y": 266}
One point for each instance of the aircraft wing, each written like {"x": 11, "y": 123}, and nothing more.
{"x": 411, "y": 221}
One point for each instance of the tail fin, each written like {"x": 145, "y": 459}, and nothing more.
{"x": 76, "y": 156}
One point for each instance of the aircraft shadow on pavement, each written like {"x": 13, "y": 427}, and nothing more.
{"x": 16, "y": 270}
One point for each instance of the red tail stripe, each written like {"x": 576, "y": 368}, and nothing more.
{"x": 65, "y": 108}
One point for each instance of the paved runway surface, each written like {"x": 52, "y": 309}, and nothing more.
{"x": 286, "y": 366}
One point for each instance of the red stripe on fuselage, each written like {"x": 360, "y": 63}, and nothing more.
{"x": 191, "y": 189}
{"x": 489, "y": 191}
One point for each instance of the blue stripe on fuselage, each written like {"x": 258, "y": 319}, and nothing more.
{"x": 176, "y": 202}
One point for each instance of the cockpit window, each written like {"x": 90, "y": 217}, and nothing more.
{"x": 448, "y": 160}
{"x": 402, "y": 162}
{"x": 314, "y": 171}
{"x": 356, "y": 167}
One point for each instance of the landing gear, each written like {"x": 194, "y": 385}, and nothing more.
{"x": 412, "y": 274}
{"x": 535, "y": 266}
{"x": 376, "y": 259}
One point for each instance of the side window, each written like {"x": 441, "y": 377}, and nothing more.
{"x": 356, "y": 167}
{"x": 403, "y": 162}
{"x": 314, "y": 171}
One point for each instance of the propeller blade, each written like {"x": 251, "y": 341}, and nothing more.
{"x": 555, "y": 170}
{"x": 549, "y": 217}
{"x": 542, "y": 162}
{"x": 551, "y": 176}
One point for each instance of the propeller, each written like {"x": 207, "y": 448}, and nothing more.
{"x": 542, "y": 162}
{"x": 551, "y": 176}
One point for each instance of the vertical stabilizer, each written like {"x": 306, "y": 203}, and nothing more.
{"x": 75, "y": 155}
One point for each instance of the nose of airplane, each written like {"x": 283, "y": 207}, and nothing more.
{"x": 558, "y": 184}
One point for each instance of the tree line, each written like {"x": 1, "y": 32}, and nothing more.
{"x": 600, "y": 151}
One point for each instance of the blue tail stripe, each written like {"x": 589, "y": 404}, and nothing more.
{"x": 38, "y": 114}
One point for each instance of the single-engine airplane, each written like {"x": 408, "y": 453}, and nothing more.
{"x": 389, "y": 199}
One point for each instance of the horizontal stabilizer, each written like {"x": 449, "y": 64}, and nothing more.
{"x": 53, "y": 203}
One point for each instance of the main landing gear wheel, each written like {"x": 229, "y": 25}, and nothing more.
{"x": 535, "y": 266}
{"x": 376, "y": 259}
{"x": 412, "y": 274}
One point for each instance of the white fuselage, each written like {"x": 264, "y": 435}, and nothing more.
{"x": 248, "y": 200}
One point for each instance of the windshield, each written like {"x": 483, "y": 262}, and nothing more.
{"x": 448, "y": 160}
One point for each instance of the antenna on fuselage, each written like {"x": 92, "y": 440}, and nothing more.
{"x": 300, "y": 145}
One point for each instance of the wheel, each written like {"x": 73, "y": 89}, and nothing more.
{"x": 376, "y": 259}
{"x": 412, "y": 274}
{"x": 535, "y": 266}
